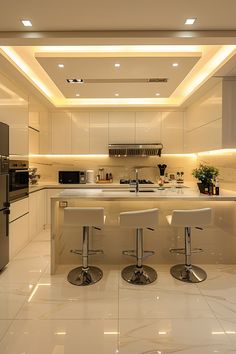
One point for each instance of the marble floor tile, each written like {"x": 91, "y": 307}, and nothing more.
{"x": 4, "y": 325}
{"x": 24, "y": 270}
{"x": 161, "y": 303}
{"x": 12, "y": 298}
{"x": 182, "y": 336}
{"x": 54, "y": 298}
{"x": 61, "y": 337}
{"x": 34, "y": 249}
{"x": 229, "y": 326}
{"x": 220, "y": 291}
{"x": 44, "y": 235}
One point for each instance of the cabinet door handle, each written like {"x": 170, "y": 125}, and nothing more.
{"x": 7, "y": 213}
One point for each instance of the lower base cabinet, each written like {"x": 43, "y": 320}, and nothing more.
{"x": 19, "y": 226}
{"x": 37, "y": 213}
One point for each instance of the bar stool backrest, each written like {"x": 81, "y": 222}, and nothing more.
{"x": 193, "y": 217}
{"x": 140, "y": 218}
{"x": 84, "y": 216}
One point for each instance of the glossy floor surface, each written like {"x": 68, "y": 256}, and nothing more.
{"x": 45, "y": 314}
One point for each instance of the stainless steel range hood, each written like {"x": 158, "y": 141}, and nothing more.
{"x": 144, "y": 150}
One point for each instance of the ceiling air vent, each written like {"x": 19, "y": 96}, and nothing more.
{"x": 158, "y": 79}
{"x": 143, "y": 150}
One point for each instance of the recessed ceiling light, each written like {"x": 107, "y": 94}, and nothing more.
{"x": 175, "y": 64}
{"x": 190, "y": 21}
{"x": 117, "y": 65}
{"x": 77, "y": 95}
{"x": 61, "y": 65}
{"x": 157, "y": 94}
{"x": 116, "y": 94}
{"x": 27, "y": 23}
{"x": 75, "y": 81}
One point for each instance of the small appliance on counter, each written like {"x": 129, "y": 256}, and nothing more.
{"x": 72, "y": 177}
{"x": 162, "y": 169}
{"x": 90, "y": 176}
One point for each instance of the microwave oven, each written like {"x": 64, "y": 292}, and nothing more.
{"x": 72, "y": 177}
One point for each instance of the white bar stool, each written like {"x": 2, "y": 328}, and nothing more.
{"x": 189, "y": 218}
{"x": 139, "y": 274}
{"x": 86, "y": 217}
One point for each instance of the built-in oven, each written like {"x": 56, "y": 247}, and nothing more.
{"x": 18, "y": 179}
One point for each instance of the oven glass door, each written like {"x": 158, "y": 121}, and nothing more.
{"x": 19, "y": 183}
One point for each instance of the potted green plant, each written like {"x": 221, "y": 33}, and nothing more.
{"x": 205, "y": 174}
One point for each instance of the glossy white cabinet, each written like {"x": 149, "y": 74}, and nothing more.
{"x": 148, "y": 127}
{"x": 33, "y": 141}
{"x": 121, "y": 127}
{"x": 80, "y": 133}
{"x": 37, "y": 213}
{"x": 45, "y": 135}
{"x": 34, "y": 120}
{"x": 98, "y": 133}
{"x": 172, "y": 132}
{"x": 19, "y": 226}
{"x": 49, "y": 193}
{"x": 16, "y": 116}
{"x": 61, "y": 133}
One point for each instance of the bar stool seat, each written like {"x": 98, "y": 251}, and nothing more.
{"x": 139, "y": 274}
{"x": 196, "y": 218}
{"x": 85, "y": 217}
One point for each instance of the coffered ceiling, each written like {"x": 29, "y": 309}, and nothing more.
{"x": 145, "y": 39}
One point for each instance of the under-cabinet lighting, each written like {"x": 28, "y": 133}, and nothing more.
{"x": 175, "y": 65}
{"x": 61, "y": 65}
{"x": 180, "y": 155}
{"x": 67, "y": 155}
{"x": 116, "y": 94}
{"x": 26, "y": 23}
{"x": 217, "y": 152}
{"x": 157, "y": 94}
{"x": 61, "y": 333}
{"x": 162, "y": 332}
{"x": 117, "y": 65}
{"x": 190, "y": 21}
{"x": 111, "y": 332}
{"x": 77, "y": 95}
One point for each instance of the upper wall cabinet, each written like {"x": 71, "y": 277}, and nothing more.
{"x": 80, "y": 133}
{"x": 16, "y": 116}
{"x": 203, "y": 122}
{"x": 98, "y": 133}
{"x": 121, "y": 127}
{"x": 172, "y": 134}
{"x": 148, "y": 127}
{"x": 45, "y": 135}
{"x": 61, "y": 133}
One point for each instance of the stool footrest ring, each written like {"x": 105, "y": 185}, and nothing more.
{"x": 131, "y": 253}
{"x": 76, "y": 252}
{"x": 177, "y": 250}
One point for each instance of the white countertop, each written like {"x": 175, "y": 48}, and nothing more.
{"x": 123, "y": 194}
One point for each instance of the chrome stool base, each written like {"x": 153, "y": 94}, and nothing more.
{"x": 188, "y": 274}
{"x": 81, "y": 277}
{"x": 139, "y": 275}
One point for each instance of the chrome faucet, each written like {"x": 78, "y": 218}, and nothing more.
{"x": 136, "y": 181}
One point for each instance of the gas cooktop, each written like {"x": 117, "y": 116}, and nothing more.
{"x": 140, "y": 181}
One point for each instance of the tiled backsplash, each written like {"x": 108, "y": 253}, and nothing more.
{"x": 48, "y": 167}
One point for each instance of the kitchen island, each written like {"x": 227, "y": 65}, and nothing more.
{"x": 218, "y": 241}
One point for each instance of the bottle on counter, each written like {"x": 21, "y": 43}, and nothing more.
{"x": 217, "y": 187}
{"x": 110, "y": 177}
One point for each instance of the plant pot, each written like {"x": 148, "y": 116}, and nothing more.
{"x": 203, "y": 188}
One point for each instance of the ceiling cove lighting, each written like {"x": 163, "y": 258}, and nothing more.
{"x": 26, "y": 23}
{"x": 190, "y": 21}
